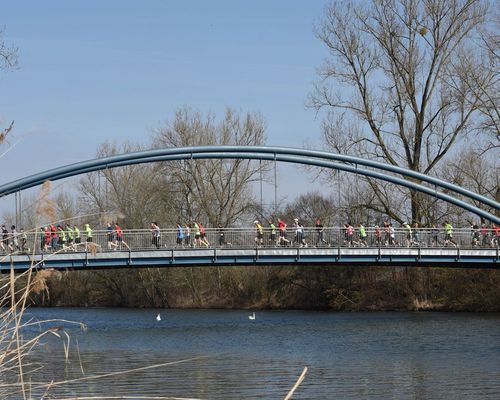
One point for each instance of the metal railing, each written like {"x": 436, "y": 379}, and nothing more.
{"x": 331, "y": 237}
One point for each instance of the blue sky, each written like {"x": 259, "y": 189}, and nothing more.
{"x": 92, "y": 71}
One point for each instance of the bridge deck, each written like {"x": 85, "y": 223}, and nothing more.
{"x": 422, "y": 257}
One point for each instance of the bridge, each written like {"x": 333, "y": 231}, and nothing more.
{"x": 244, "y": 251}
{"x": 240, "y": 247}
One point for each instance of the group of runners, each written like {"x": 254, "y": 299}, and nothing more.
{"x": 13, "y": 240}
{"x": 64, "y": 237}
{"x": 69, "y": 237}
{"x": 57, "y": 237}
{"x": 385, "y": 235}
{"x": 183, "y": 235}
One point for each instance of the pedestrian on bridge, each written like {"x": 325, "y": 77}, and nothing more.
{"x": 119, "y": 237}
{"x": 5, "y": 238}
{"x": 485, "y": 236}
{"x": 320, "y": 229}
{"x": 282, "y": 232}
{"x": 203, "y": 235}
{"x": 54, "y": 239}
{"x": 88, "y": 233}
{"x": 187, "y": 236}
{"x": 449, "y": 234}
{"x": 76, "y": 235}
{"x": 70, "y": 233}
{"x": 362, "y": 235}
{"x": 272, "y": 230}
{"x": 222, "y": 236}
{"x": 409, "y": 239}
{"x": 180, "y": 235}
{"x": 156, "y": 234}
{"x": 378, "y": 235}
{"x": 259, "y": 238}
{"x": 62, "y": 237}
{"x": 24, "y": 241}
{"x": 14, "y": 239}
{"x": 496, "y": 235}
{"x": 111, "y": 237}
{"x": 348, "y": 234}
{"x": 197, "y": 234}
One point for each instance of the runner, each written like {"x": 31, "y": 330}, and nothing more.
{"x": 111, "y": 237}
{"x": 387, "y": 233}
{"x": 187, "y": 237}
{"x": 392, "y": 236}
{"x": 14, "y": 238}
{"x": 362, "y": 235}
{"x": 416, "y": 234}
{"x": 282, "y": 232}
{"x": 475, "y": 235}
{"x": 62, "y": 237}
{"x": 449, "y": 234}
{"x": 320, "y": 240}
{"x": 496, "y": 235}
{"x": 409, "y": 240}
{"x": 24, "y": 241}
{"x": 119, "y": 237}
{"x": 259, "y": 238}
{"x": 180, "y": 235}
{"x": 88, "y": 233}
{"x": 156, "y": 235}
{"x": 485, "y": 241}
{"x": 435, "y": 235}
{"x": 78, "y": 239}
{"x": 349, "y": 232}
{"x": 378, "y": 236}
{"x": 272, "y": 230}
{"x": 48, "y": 239}
{"x": 197, "y": 235}
{"x": 42, "y": 239}
{"x": 71, "y": 236}
{"x": 5, "y": 238}
{"x": 54, "y": 239}
{"x": 302, "y": 236}
{"x": 204, "y": 239}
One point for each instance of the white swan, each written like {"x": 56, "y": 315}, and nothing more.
{"x": 158, "y": 318}
{"x": 252, "y": 317}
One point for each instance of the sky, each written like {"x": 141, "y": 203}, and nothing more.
{"x": 95, "y": 71}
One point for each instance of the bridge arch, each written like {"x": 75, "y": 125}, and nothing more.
{"x": 283, "y": 154}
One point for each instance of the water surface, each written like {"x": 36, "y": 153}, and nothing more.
{"x": 348, "y": 355}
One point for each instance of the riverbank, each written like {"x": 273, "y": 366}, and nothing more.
{"x": 311, "y": 288}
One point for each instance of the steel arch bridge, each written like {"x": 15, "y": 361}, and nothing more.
{"x": 410, "y": 179}
{"x": 413, "y": 180}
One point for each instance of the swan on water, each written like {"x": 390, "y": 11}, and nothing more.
{"x": 158, "y": 318}
{"x": 252, "y": 317}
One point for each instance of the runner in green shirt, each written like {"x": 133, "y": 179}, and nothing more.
{"x": 362, "y": 235}
{"x": 448, "y": 228}
{"x": 71, "y": 236}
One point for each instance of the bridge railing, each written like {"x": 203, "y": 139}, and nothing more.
{"x": 144, "y": 239}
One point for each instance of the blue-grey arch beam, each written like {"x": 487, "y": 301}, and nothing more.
{"x": 284, "y": 154}
{"x": 305, "y": 161}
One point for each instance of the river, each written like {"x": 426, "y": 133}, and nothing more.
{"x": 228, "y": 356}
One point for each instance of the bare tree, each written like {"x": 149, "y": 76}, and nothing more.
{"x": 397, "y": 84}
{"x": 130, "y": 193}
{"x": 8, "y": 61}
{"x": 486, "y": 82}
{"x": 474, "y": 170}
{"x": 216, "y": 190}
